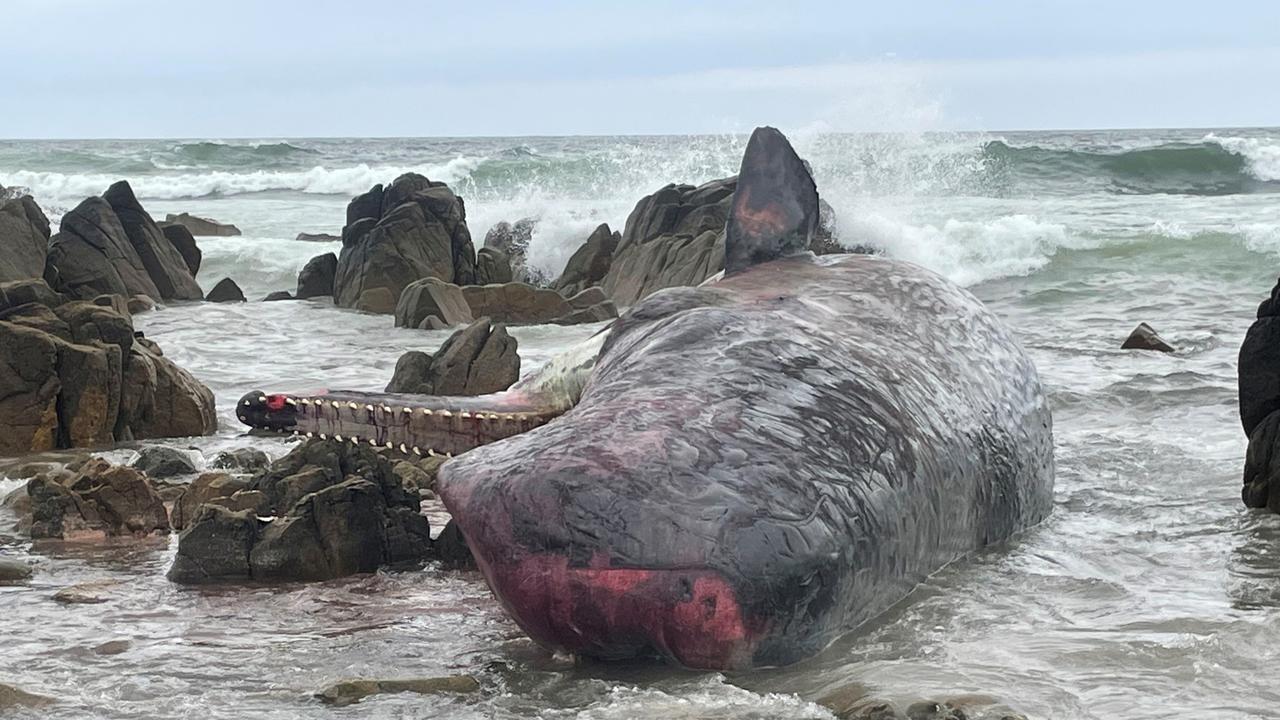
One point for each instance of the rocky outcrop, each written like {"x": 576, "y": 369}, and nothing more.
{"x": 73, "y": 374}
{"x": 101, "y": 499}
{"x": 335, "y": 509}
{"x": 432, "y": 298}
{"x": 159, "y": 461}
{"x": 316, "y": 277}
{"x": 199, "y": 226}
{"x": 1145, "y": 337}
{"x": 1259, "y": 385}
{"x": 278, "y": 295}
{"x": 353, "y": 691}
{"x": 672, "y": 237}
{"x": 509, "y": 244}
{"x": 226, "y": 291}
{"x": 413, "y": 229}
{"x": 516, "y": 303}
{"x": 492, "y": 266}
{"x": 317, "y": 237}
{"x": 481, "y": 358}
{"x": 181, "y": 239}
{"x": 165, "y": 265}
{"x": 590, "y": 305}
{"x": 110, "y": 246}
{"x": 24, "y": 240}
{"x": 590, "y": 263}
{"x": 221, "y": 489}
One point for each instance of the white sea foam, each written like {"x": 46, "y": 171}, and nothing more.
{"x": 71, "y": 188}
{"x": 965, "y": 251}
{"x": 1262, "y": 154}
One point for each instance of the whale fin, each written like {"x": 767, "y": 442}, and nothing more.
{"x": 774, "y": 211}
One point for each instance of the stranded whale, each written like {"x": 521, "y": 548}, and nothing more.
{"x": 735, "y": 474}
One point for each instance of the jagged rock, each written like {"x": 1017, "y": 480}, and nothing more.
{"x": 338, "y": 509}
{"x": 182, "y": 241}
{"x": 160, "y": 399}
{"x": 451, "y": 549}
{"x": 13, "y": 571}
{"x": 159, "y": 461}
{"x": 413, "y": 229}
{"x": 590, "y": 305}
{"x": 203, "y": 489}
{"x": 199, "y": 226}
{"x": 139, "y": 303}
{"x": 478, "y": 359}
{"x": 165, "y": 265}
{"x": 353, "y": 691}
{"x": 672, "y": 237}
{"x": 316, "y": 278}
{"x": 590, "y": 263}
{"x": 93, "y": 255}
{"x": 101, "y": 499}
{"x": 1259, "y": 365}
{"x": 512, "y": 241}
{"x": 241, "y": 460}
{"x": 23, "y": 292}
{"x": 24, "y": 240}
{"x": 492, "y": 266}
{"x": 1144, "y": 337}
{"x": 226, "y": 291}
{"x": 317, "y": 237}
{"x": 516, "y": 303}
{"x": 432, "y": 297}
{"x": 278, "y": 295}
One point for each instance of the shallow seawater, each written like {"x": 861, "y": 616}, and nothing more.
{"x": 1150, "y": 591}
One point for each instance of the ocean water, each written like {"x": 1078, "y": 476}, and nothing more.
{"x": 1149, "y": 592}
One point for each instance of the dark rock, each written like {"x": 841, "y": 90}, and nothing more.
{"x": 824, "y": 240}
{"x": 139, "y": 303}
{"x": 420, "y": 231}
{"x": 316, "y": 278}
{"x": 24, "y": 240}
{"x": 23, "y": 292}
{"x": 112, "y": 647}
{"x": 226, "y": 291}
{"x": 515, "y": 303}
{"x": 215, "y": 547}
{"x": 241, "y": 460}
{"x": 1259, "y": 365}
{"x": 205, "y": 488}
{"x": 278, "y": 295}
{"x": 338, "y": 509}
{"x": 672, "y": 237}
{"x": 38, "y": 317}
{"x": 451, "y": 549}
{"x": 160, "y": 399}
{"x": 28, "y": 390}
{"x": 13, "y": 571}
{"x": 478, "y": 359}
{"x": 317, "y": 237}
{"x": 166, "y": 266}
{"x": 199, "y": 226}
{"x": 1144, "y": 337}
{"x": 432, "y": 297}
{"x": 159, "y": 461}
{"x": 353, "y": 691}
{"x": 492, "y": 266}
{"x": 590, "y": 263}
{"x": 101, "y": 499}
{"x": 93, "y": 592}
{"x": 93, "y": 255}
{"x": 182, "y": 241}
{"x": 513, "y": 242}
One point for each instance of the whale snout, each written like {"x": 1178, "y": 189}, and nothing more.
{"x": 692, "y": 617}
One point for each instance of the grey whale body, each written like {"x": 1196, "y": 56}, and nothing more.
{"x": 738, "y": 473}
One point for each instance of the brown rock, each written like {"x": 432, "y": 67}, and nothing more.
{"x": 353, "y": 691}
{"x": 199, "y": 226}
{"x": 226, "y": 291}
{"x": 203, "y": 489}
{"x": 590, "y": 263}
{"x": 182, "y": 241}
{"x": 481, "y": 358}
{"x": 167, "y": 267}
{"x": 12, "y": 698}
{"x": 1144, "y": 337}
{"x": 24, "y": 237}
{"x": 432, "y": 297}
{"x": 316, "y": 278}
{"x": 92, "y": 255}
{"x": 29, "y": 387}
{"x": 515, "y": 303}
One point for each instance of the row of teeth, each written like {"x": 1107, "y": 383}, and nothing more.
{"x": 373, "y": 443}
{"x": 336, "y": 405}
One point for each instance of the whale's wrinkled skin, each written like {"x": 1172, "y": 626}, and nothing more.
{"x": 752, "y": 467}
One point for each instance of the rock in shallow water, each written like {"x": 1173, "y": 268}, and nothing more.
{"x": 226, "y": 291}
{"x": 352, "y": 691}
{"x": 13, "y": 571}
{"x": 94, "y": 592}
{"x": 478, "y": 359}
{"x": 1145, "y": 337}
{"x": 100, "y": 500}
{"x": 160, "y": 461}
{"x": 316, "y": 277}
{"x": 12, "y": 697}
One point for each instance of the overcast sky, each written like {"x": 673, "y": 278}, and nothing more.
{"x": 281, "y": 68}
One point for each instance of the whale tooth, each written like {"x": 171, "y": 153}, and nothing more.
{"x": 355, "y": 441}
{"x": 493, "y": 416}
{"x": 352, "y": 405}
{"x": 368, "y": 408}
{"x": 416, "y": 451}
{"x": 390, "y": 446}
{"x": 323, "y": 437}
{"x": 297, "y": 433}
{"x": 373, "y": 442}
{"x": 426, "y": 411}
{"x": 445, "y": 413}
{"x": 407, "y": 411}
{"x": 432, "y": 453}
{"x": 403, "y": 448}
{"x": 338, "y": 438}
{"x": 464, "y": 414}
{"x": 448, "y": 454}
{"x": 310, "y": 434}
{"x": 305, "y": 401}
{"x": 337, "y": 405}
{"x": 290, "y": 401}
{"x": 386, "y": 408}
{"x": 262, "y": 398}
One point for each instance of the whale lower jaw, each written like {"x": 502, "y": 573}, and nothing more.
{"x": 692, "y": 617}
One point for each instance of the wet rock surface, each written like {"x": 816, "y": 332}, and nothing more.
{"x": 478, "y": 359}
{"x": 159, "y": 461}
{"x": 76, "y": 375}
{"x": 353, "y": 691}
{"x": 14, "y": 698}
{"x": 432, "y": 298}
{"x": 199, "y": 226}
{"x": 1145, "y": 337}
{"x": 414, "y": 228}
{"x": 24, "y": 236}
{"x": 100, "y": 500}
{"x": 226, "y": 291}
{"x": 509, "y": 244}
{"x": 14, "y": 571}
{"x": 316, "y": 277}
{"x": 335, "y": 509}
{"x": 589, "y": 264}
